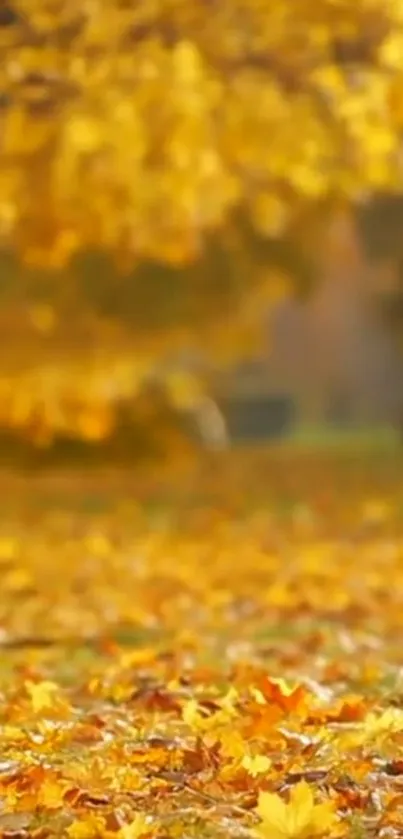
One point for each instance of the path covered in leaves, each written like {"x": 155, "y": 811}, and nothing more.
{"x": 221, "y": 659}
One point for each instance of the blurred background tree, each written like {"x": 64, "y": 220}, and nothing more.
{"x": 168, "y": 169}
{"x": 380, "y": 225}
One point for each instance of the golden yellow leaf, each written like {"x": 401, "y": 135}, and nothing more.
{"x": 256, "y": 765}
{"x": 43, "y": 695}
{"x": 138, "y": 827}
{"x": 89, "y": 828}
{"x": 233, "y": 745}
{"x": 374, "y": 728}
{"x": 51, "y": 793}
{"x": 301, "y": 818}
{"x": 191, "y": 714}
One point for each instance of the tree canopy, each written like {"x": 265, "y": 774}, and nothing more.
{"x": 138, "y": 127}
{"x": 164, "y": 164}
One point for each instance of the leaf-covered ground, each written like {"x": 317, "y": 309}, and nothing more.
{"x": 218, "y": 655}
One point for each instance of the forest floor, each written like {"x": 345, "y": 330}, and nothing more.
{"x": 209, "y": 651}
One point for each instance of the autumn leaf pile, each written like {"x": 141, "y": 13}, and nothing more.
{"x": 214, "y": 656}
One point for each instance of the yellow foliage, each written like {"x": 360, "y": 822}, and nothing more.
{"x": 376, "y": 728}
{"x": 157, "y": 133}
{"x": 256, "y": 765}
{"x": 193, "y": 717}
{"x": 138, "y": 827}
{"x": 42, "y": 695}
{"x": 133, "y": 127}
{"x": 88, "y": 829}
{"x": 45, "y": 696}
